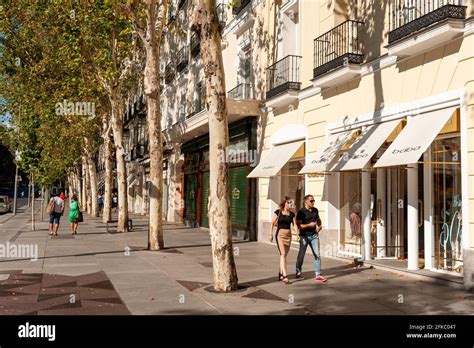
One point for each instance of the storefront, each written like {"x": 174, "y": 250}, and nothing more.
{"x": 196, "y": 179}
{"x": 399, "y": 182}
{"x": 279, "y": 168}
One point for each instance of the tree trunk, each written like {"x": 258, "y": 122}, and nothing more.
{"x": 225, "y": 274}
{"x": 33, "y": 226}
{"x": 94, "y": 196}
{"x": 117, "y": 128}
{"x": 107, "y": 214}
{"x": 152, "y": 90}
{"x": 88, "y": 187}
{"x": 83, "y": 191}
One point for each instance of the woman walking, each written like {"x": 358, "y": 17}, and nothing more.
{"x": 73, "y": 214}
{"x": 282, "y": 219}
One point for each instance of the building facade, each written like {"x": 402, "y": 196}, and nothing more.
{"x": 370, "y": 109}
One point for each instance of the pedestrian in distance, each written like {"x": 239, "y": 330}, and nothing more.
{"x": 284, "y": 220}
{"x": 310, "y": 226}
{"x": 75, "y": 210}
{"x": 55, "y": 210}
{"x": 100, "y": 202}
{"x": 114, "y": 202}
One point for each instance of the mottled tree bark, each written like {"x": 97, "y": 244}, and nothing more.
{"x": 107, "y": 213}
{"x": 225, "y": 273}
{"x": 117, "y": 129}
{"x": 151, "y": 39}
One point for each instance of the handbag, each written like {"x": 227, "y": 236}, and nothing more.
{"x": 80, "y": 217}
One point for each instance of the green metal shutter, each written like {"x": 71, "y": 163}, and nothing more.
{"x": 191, "y": 182}
{"x": 238, "y": 193}
{"x": 204, "y": 200}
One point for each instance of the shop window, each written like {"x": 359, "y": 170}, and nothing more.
{"x": 351, "y": 207}
{"x": 292, "y": 184}
{"x": 446, "y": 155}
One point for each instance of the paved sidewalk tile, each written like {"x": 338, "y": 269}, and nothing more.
{"x": 100, "y": 272}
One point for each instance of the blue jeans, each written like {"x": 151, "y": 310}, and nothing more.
{"x": 313, "y": 242}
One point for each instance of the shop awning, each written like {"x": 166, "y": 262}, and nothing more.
{"x": 415, "y": 138}
{"x": 275, "y": 160}
{"x": 327, "y": 153}
{"x": 366, "y": 145}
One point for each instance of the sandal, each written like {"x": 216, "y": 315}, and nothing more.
{"x": 285, "y": 280}
{"x": 280, "y": 276}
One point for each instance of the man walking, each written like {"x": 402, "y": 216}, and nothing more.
{"x": 309, "y": 224}
{"x": 55, "y": 214}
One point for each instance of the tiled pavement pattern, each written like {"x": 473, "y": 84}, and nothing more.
{"x": 178, "y": 279}
{"x": 48, "y": 294}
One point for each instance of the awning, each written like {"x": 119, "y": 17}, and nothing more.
{"x": 275, "y": 160}
{"x": 366, "y": 146}
{"x": 415, "y": 138}
{"x": 327, "y": 153}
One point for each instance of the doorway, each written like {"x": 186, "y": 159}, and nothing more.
{"x": 396, "y": 212}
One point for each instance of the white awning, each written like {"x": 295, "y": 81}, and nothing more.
{"x": 275, "y": 160}
{"x": 327, "y": 153}
{"x": 366, "y": 145}
{"x": 415, "y": 138}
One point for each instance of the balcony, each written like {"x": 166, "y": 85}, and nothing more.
{"x": 240, "y": 5}
{"x": 183, "y": 59}
{"x": 181, "y": 4}
{"x": 221, "y": 15}
{"x": 338, "y": 54}
{"x": 169, "y": 73}
{"x": 420, "y": 24}
{"x": 283, "y": 79}
{"x": 172, "y": 13}
{"x": 195, "y": 44}
{"x": 241, "y": 91}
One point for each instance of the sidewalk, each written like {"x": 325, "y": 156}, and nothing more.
{"x": 97, "y": 272}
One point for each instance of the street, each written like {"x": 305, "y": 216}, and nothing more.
{"x": 97, "y": 272}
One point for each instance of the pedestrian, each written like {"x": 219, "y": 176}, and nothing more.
{"x": 309, "y": 224}
{"x": 74, "y": 213}
{"x": 114, "y": 202}
{"x": 55, "y": 210}
{"x": 283, "y": 219}
{"x": 100, "y": 201}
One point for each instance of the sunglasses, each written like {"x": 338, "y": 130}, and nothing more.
{"x": 312, "y": 201}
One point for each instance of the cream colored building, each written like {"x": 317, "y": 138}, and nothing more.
{"x": 370, "y": 108}
{"x": 185, "y": 120}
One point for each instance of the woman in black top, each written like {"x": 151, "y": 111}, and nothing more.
{"x": 283, "y": 218}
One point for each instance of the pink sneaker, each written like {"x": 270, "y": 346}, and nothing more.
{"x": 321, "y": 279}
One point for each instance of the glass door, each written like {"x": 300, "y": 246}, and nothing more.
{"x": 396, "y": 212}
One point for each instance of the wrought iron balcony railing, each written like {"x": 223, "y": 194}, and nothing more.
{"x": 338, "y": 47}
{"x": 221, "y": 15}
{"x": 195, "y": 44}
{"x": 172, "y": 13}
{"x": 169, "y": 73}
{"x": 283, "y": 76}
{"x": 239, "y": 6}
{"x": 181, "y": 4}
{"x": 241, "y": 91}
{"x": 140, "y": 150}
{"x": 407, "y": 17}
{"x": 183, "y": 59}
